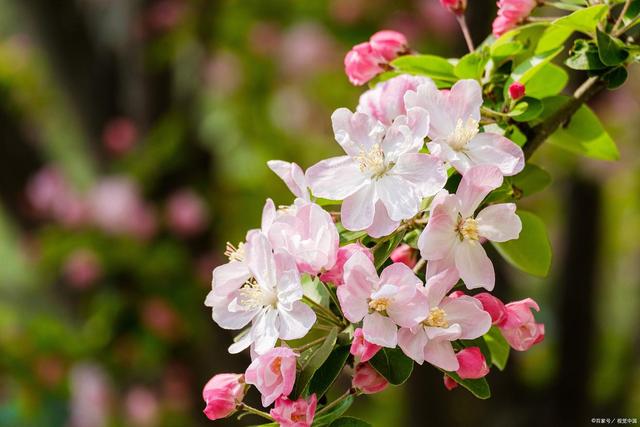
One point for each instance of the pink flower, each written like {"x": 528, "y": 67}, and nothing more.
{"x": 472, "y": 363}
{"x": 298, "y": 413}
{"x": 449, "y": 383}
{"x": 362, "y": 348}
{"x": 383, "y": 178}
{"x": 119, "y": 135}
{"x": 383, "y": 303}
{"x": 82, "y": 268}
{"x": 141, "y": 407}
{"x": 52, "y": 195}
{"x": 453, "y": 234}
{"x": 520, "y": 328}
{"x": 516, "y": 90}
{"x": 273, "y": 374}
{"x": 454, "y": 130}
{"x": 335, "y": 273}
{"x": 366, "y": 60}
{"x": 448, "y": 319}
{"x": 385, "y": 101}
{"x": 405, "y": 254}
{"x": 293, "y": 177}
{"x": 511, "y": 13}
{"x": 261, "y": 287}
{"x": 222, "y": 394}
{"x": 186, "y": 213}
{"x": 493, "y": 306}
{"x": 368, "y": 380}
{"x": 455, "y": 6}
{"x": 305, "y": 231}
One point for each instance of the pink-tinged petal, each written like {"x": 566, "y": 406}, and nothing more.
{"x": 389, "y": 44}
{"x": 425, "y": 172}
{"x": 449, "y": 383}
{"x": 450, "y": 333}
{"x": 357, "y": 210}
{"x": 293, "y": 177}
{"x": 499, "y": 223}
{"x": 410, "y": 313}
{"x": 493, "y": 306}
{"x": 260, "y": 259}
{"x": 440, "y": 354}
{"x": 264, "y": 331}
{"x": 229, "y": 314}
{"x": 473, "y": 365}
{"x": 406, "y": 134}
{"x": 404, "y": 254}
{"x": 360, "y": 280}
{"x": 474, "y": 266}
{"x": 356, "y": 132}
{"x": 228, "y": 278}
{"x": 403, "y": 278}
{"x": 439, "y": 236}
{"x": 336, "y": 274}
{"x": 380, "y": 330}
{"x": 436, "y": 267}
{"x": 427, "y": 96}
{"x": 464, "y": 311}
{"x": 476, "y": 183}
{"x": 362, "y": 348}
{"x": 412, "y": 342}
{"x": 398, "y": 196}
{"x": 492, "y": 149}
{"x": 335, "y": 178}
{"x": 295, "y": 323}
{"x": 382, "y": 225}
{"x": 465, "y": 100}
{"x": 241, "y": 344}
{"x": 368, "y": 380}
{"x": 385, "y": 101}
{"x": 221, "y": 394}
{"x": 441, "y": 149}
{"x": 438, "y": 285}
{"x": 269, "y": 214}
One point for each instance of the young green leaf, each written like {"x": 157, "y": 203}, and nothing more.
{"x": 584, "y": 21}
{"x": 479, "y": 387}
{"x": 392, "y": 364}
{"x": 533, "y": 108}
{"x": 498, "y": 347}
{"x": 611, "y": 50}
{"x": 382, "y": 253}
{"x": 333, "y": 414}
{"x": 329, "y": 371}
{"x": 548, "y": 81}
{"x": 585, "y": 135}
{"x": 531, "y": 180}
{"x": 531, "y": 252}
{"x": 615, "y": 78}
{"x": 432, "y": 66}
{"x": 528, "y": 69}
{"x": 311, "y": 363}
{"x": 349, "y": 422}
{"x": 471, "y": 66}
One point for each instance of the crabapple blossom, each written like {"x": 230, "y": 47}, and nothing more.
{"x": 273, "y": 374}
{"x": 472, "y": 363}
{"x": 222, "y": 395}
{"x": 293, "y": 177}
{"x": 516, "y": 90}
{"x": 448, "y": 319}
{"x": 520, "y": 328}
{"x": 389, "y": 44}
{"x": 383, "y": 303}
{"x": 335, "y": 273}
{"x": 263, "y": 288}
{"x": 405, "y": 254}
{"x": 455, "y": 131}
{"x": 362, "y": 348}
{"x": 511, "y": 13}
{"x": 456, "y": 7}
{"x": 493, "y": 306}
{"x": 383, "y": 177}
{"x": 368, "y": 380}
{"x": 295, "y": 413}
{"x": 454, "y": 234}
{"x": 366, "y": 60}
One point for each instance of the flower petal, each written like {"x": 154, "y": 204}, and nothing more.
{"x": 356, "y": 131}
{"x": 335, "y": 178}
{"x": 293, "y": 177}
{"x": 476, "y": 183}
{"x": 499, "y": 223}
{"x": 360, "y": 280}
{"x": 260, "y": 259}
{"x": 412, "y": 343}
{"x": 440, "y": 353}
{"x": 425, "y": 172}
{"x": 398, "y": 196}
{"x": 465, "y": 100}
{"x": 358, "y": 210}
{"x": 380, "y": 330}
{"x": 264, "y": 330}
{"x": 439, "y": 236}
{"x": 409, "y": 313}
{"x": 493, "y": 149}
{"x": 464, "y": 311}
{"x": 295, "y": 323}
{"x": 382, "y": 225}
{"x": 474, "y": 266}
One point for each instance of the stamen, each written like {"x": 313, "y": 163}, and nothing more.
{"x": 253, "y": 296}
{"x": 233, "y": 253}
{"x": 437, "y": 318}
{"x": 373, "y": 161}
{"x": 463, "y": 133}
{"x": 468, "y": 229}
{"x": 379, "y": 304}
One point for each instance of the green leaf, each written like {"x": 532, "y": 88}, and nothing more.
{"x": 518, "y": 43}
{"x": 584, "y": 21}
{"x": 349, "y": 422}
{"x": 334, "y": 413}
{"x": 549, "y": 80}
{"x": 585, "y": 135}
{"x": 498, "y": 347}
{"x": 313, "y": 289}
{"x": 471, "y": 66}
{"x": 411, "y": 238}
{"x": 347, "y": 236}
{"x": 528, "y": 69}
{"x": 479, "y": 387}
{"x": 531, "y": 180}
{"x": 312, "y": 360}
{"x": 531, "y": 252}
{"x": 611, "y": 50}
{"x": 392, "y": 364}
{"x": 615, "y": 78}
{"x": 432, "y": 66}
{"x": 329, "y": 371}
{"x": 527, "y": 109}
{"x": 382, "y": 253}
{"x": 326, "y": 202}
{"x": 584, "y": 56}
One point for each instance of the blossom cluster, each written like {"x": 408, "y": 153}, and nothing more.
{"x": 310, "y": 267}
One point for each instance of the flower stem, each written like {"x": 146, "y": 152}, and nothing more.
{"x": 325, "y": 312}
{"x": 309, "y": 345}
{"x": 335, "y": 402}
{"x": 465, "y": 32}
{"x": 333, "y": 298}
{"x": 621, "y": 16}
{"x": 252, "y": 410}
{"x": 419, "y": 265}
{"x": 627, "y": 27}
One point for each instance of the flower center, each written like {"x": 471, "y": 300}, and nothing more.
{"x": 299, "y": 417}
{"x": 463, "y": 133}
{"x": 437, "y": 318}
{"x": 379, "y": 304}
{"x": 373, "y": 161}
{"x": 233, "y": 253}
{"x": 276, "y": 365}
{"x": 468, "y": 229}
{"x": 253, "y": 296}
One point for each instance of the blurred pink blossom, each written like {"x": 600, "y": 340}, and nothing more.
{"x": 91, "y": 396}
{"x": 120, "y": 135}
{"x": 161, "y": 318}
{"x": 457, "y": 7}
{"x": 440, "y": 21}
{"x": 347, "y": 11}
{"x": 265, "y": 38}
{"x": 141, "y": 407}
{"x": 307, "y": 48}
{"x": 224, "y": 72}
{"x": 164, "y": 15}
{"x": 82, "y": 268}
{"x": 51, "y": 196}
{"x": 186, "y": 213}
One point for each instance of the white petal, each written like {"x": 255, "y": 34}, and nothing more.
{"x": 499, "y": 223}
{"x": 476, "y": 183}
{"x": 412, "y": 343}
{"x": 465, "y": 100}
{"x": 425, "y": 172}
{"x": 440, "y": 353}
{"x": 264, "y": 330}
{"x": 295, "y": 323}
{"x": 381, "y": 330}
{"x": 228, "y": 278}
{"x": 292, "y": 175}
{"x": 356, "y": 131}
{"x": 399, "y": 197}
{"x": 382, "y": 225}
{"x": 474, "y": 266}
{"x": 335, "y": 178}
{"x": 473, "y": 320}
{"x": 493, "y": 149}
{"x": 357, "y": 210}
{"x": 244, "y": 342}
{"x": 260, "y": 260}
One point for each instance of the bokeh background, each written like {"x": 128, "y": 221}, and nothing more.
{"x": 133, "y": 142}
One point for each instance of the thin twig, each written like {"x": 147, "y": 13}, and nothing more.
{"x": 335, "y": 402}
{"x": 308, "y": 345}
{"x": 419, "y": 265}
{"x": 465, "y": 32}
{"x": 621, "y": 16}
{"x": 627, "y": 27}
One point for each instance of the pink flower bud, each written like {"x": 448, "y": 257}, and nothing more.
{"x": 389, "y": 44}
{"x": 493, "y": 306}
{"x": 273, "y": 374}
{"x": 222, "y": 394}
{"x": 334, "y": 275}
{"x": 405, "y": 254}
{"x": 362, "y": 64}
{"x": 472, "y": 363}
{"x": 362, "y": 348}
{"x": 368, "y": 380}
{"x": 449, "y": 383}
{"x": 516, "y": 90}
{"x": 455, "y": 6}
{"x": 298, "y": 413}
{"x": 520, "y": 328}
